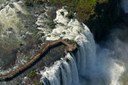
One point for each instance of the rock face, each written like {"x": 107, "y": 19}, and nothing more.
{"x": 21, "y": 38}
{"x": 31, "y": 34}
{"x": 25, "y": 29}
{"x": 46, "y": 60}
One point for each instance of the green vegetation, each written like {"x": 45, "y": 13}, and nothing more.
{"x": 40, "y": 83}
{"x": 70, "y": 15}
{"x": 32, "y": 74}
{"x": 84, "y": 8}
{"x": 98, "y": 15}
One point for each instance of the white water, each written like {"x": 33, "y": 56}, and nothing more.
{"x": 13, "y": 32}
{"x": 87, "y": 66}
{"x": 90, "y": 65}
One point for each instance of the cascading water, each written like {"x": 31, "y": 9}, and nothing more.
{"x": 91, "y": 67}
{"x": 92, "y": 64}
{"x": 80, "y": 67}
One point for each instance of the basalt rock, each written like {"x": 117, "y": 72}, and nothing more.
{"x": 67, "y": 46}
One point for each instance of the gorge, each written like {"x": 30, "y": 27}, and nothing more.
{"x": 24, "y": 28}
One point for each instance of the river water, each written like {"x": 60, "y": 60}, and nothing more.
{"x": 92, "y": 64}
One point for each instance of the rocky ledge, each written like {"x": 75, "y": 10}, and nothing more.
{"x": 64, "y": 45}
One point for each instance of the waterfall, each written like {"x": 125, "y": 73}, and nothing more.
{"x": 92, "y": 64}
{"x": 63, "y": 72}
{"x": 73, "y": 68}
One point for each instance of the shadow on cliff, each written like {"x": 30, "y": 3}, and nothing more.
{"x": 106, "y": 15}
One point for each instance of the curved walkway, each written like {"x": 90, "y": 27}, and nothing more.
{"x": 69, "y": 47}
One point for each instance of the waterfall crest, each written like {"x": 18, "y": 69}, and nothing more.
{"x": 79, "y": 66}
{"x": 92, "y": 64}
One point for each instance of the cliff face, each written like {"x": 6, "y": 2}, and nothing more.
{"x": 43, "y": 52}
{"x": 25, "y": 27}
{"x": 47, "y": 59}
{"x": 28, "y": 28}
{"x": 77, "y": 68}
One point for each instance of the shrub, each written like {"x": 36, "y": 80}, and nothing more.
{"x": 84, "y": 8}
{"x": 70, "y": 15}
{"x": 32, "y": 74}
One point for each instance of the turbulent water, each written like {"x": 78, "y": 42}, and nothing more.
{"x": 92, "y": 64}
{"x": 74, "y": 69}
{"x": 18, "y": 33}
